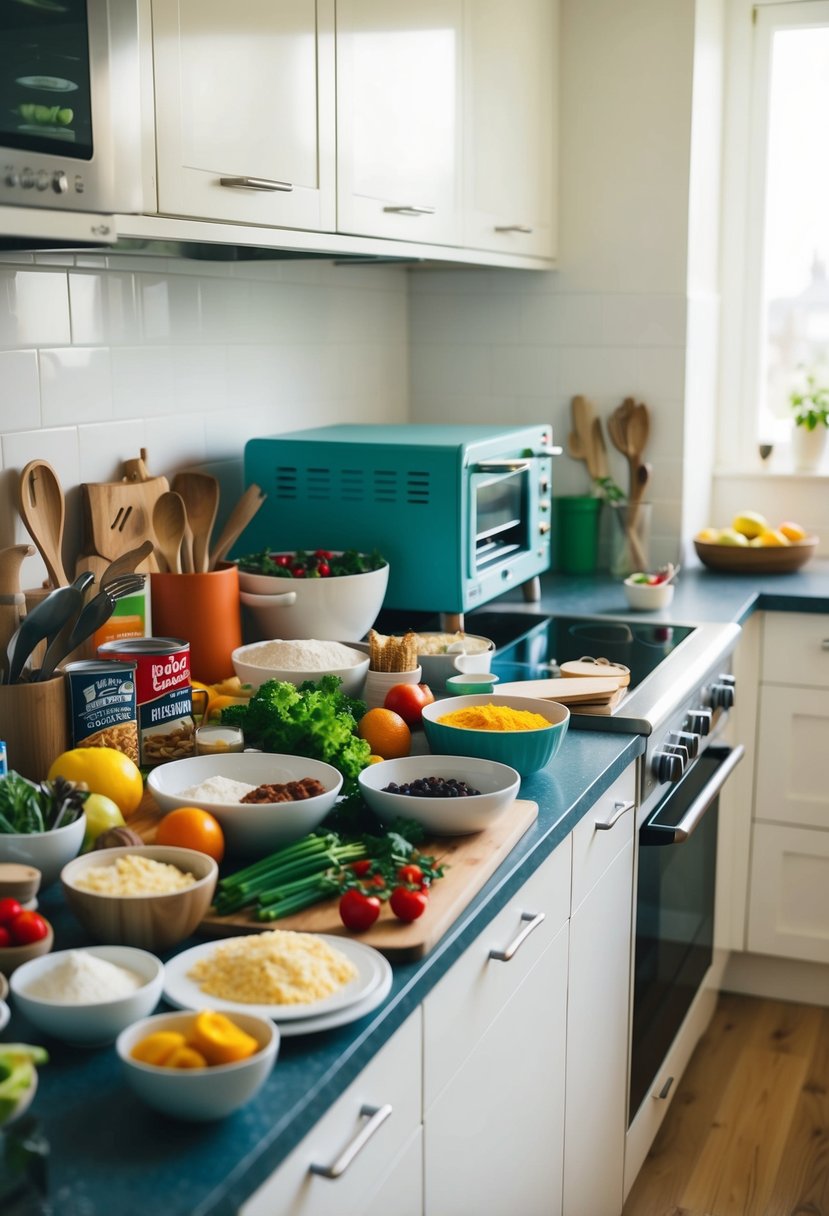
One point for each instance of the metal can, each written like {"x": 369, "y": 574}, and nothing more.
{"x": 166, "y": 728}
{"x": 102, "y": 705}
{"x": 4, "y": 764}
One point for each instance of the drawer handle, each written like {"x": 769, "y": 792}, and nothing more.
{"x": 525, "y": 229}
{"x": 825, "y": 644}
{"x": 375, "y": 1115}
{"x": 533, "y": 920}
{"x": 665, "y": 1090}
{"x": 619, "y": 809}
{"x": 409, "y": 209}
{"x": 255, "y": 183}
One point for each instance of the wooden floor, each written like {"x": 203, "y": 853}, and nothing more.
{"x": 748, "y": 1131}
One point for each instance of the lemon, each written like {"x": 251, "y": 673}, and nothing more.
{"x": 772, "y": 537}
{"x": 104, "y": 771}
{"x": 750, "y": 523}
{"x": 709, "y": 536}
{"x": 730, "y": 536}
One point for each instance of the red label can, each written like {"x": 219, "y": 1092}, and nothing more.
{"x": 164, "y": 695}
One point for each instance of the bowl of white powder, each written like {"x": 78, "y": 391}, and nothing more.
{"x": 87, "y": 997}
{"x": 295, "y": 660}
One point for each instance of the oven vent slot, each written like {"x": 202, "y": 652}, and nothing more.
{"x": 382, "y": 486}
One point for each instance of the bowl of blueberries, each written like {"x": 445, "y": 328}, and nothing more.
{"x": 447, "y": 795}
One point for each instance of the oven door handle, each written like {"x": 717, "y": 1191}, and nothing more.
{"x": 659, "y": 833}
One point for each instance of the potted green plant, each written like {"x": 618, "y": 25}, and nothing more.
{"x": 811, "y": 423}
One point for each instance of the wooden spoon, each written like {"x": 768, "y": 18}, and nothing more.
{"x": 200, "y": 492}
{"x": 169, "y": 525}
{"x": 43, "y": 510}
{"x": 236, "y": 522}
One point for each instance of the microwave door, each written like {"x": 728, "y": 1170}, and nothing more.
{"x": 499, "y": 510}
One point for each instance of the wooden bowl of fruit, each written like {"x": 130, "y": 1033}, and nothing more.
{"x": 752, "y": 546}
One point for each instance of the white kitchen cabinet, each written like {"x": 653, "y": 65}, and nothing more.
{"x": 793, "y": 756}
{"x": 598, "y": 1004}
{"x": 389, "y": 1163}
{"x": 494, "y": 1059}
{"x": 244, "y": 97}
{"x": 789, "y": 905}
{"x": 510, "y": 126}
{"x": 399, "y": 106}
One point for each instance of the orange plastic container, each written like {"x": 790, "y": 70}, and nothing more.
{"x": 203, "y": 609}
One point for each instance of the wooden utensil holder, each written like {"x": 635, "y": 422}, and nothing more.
{"x": 34, "y": 722}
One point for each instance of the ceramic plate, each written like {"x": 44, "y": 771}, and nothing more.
{"x": 341, "y": 1017}
{"x": 184, "y": 993}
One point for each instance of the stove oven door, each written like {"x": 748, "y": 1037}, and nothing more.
{"x": 674, "y": 912}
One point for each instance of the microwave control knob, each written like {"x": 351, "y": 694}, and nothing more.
{"x": 60, "y": 182}
{"x": 543, "y": 504}
{"x": 688, "y": 740}
{"x": 544, "y": 528}
{"x": 722, "y": 696}
{"x": 667, "y": 766}
{"x": 698, "y": 721}
{"x": 544, "y": 483}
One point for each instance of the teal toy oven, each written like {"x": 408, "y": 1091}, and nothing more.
{"x": 461, "y": 513}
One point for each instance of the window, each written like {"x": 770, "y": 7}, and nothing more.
{"x": 776, "y": 220}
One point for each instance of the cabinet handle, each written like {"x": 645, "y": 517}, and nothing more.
{"x": 619, "y": 809}
{"x": 533, "y": 920}
{"x": 665, "y": 1090}
{"x": 409, "y": 209}
{"x": 255, "y": 183}
{"x": 375, "y": 1115}
{"x": 825, "y": 644}
{"x": 523, "y": 228}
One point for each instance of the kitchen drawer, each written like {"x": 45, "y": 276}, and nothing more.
{"x": 789, "y": 901}
{"x": 796, "y": 649}
{"x": 458, "y": 1011}
{"x": 392, "y": 1077}
{"x": 595, "y": 846}
{"x": 792, "y": 757}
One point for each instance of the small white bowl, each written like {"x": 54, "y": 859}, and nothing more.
{"x": 251, "y": 669}
{"x": 198, "y": 1093}
{"x": 250, "y": 828}
{"x": 644, "y": 597}
{"x": 498, "y": 784}
{"x": 46, "y": 851}
{"x": 93, "y": 1023}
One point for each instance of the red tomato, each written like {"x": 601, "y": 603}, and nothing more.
{"x": 408, "y": 701}
{"x": 5, "y": 937}
{"x": 358, "y": 912}
{"x": 9, "y": 909}
{"x": 28, "y": 927}
{"x": 361, "y": 867}
{"x": 323, "y": 570}
{"x": 411, "y": 874}
{"x": 407, "y": 904}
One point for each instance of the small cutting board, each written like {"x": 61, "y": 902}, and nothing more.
{"x": 119, "y": 514}
{"x": 575, "y": 691}
{"x": 469, "y": 862}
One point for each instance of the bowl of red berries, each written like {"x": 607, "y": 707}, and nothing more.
{"x": 649, "y": 592}
{"x": 24, "y": 935}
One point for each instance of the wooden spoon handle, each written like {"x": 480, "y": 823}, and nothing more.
{"x": 239, "y": 518}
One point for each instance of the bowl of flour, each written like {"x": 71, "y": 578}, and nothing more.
{"x": 295, "y": 660}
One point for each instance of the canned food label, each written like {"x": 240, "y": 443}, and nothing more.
{"x": 102, "y": 699}
{"x": 164, "y": 695}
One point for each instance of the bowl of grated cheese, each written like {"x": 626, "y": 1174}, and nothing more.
{"x": 296, "y": 660}
{"x": 150, "y": 896}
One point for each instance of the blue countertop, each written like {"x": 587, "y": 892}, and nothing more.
{"x": 108, "y": 1153}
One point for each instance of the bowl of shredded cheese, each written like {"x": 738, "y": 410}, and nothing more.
{"x": 522, "y": 732}
{"x": 149, "y": 896}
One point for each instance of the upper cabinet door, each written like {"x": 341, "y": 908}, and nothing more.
{"x": 245, "y": 110}
{"x": 510, "y": 126}
{"x": 399, "y": 118}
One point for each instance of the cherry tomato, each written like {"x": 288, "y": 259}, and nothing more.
{"x": 5, "y": 937}
{"x": 411, "y": 874}
{"x": 360, "y": 867}
{"x": 299, "y": 572}
{"x": 281, "y": 559}
{"x": 326, "y": 553}
{"x": 407, "y": 904}
{"x": 323, "y": 569}
{"x": 9, "y": 909}
{"x": 358, "y": 912}
{"x": 408, "y": 701}
{"x": 28, "y": 927}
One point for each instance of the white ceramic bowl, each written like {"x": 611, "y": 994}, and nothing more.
{"x": 46, "y": 851}
{"x": 342, "y": 607}
{"x": 93, "y": 1023}
{"x": 472, "y": 653}
{"x": 198, "y": 1093}
{"x": 524, "y": 750}
{"x": 498, "y": 784}
{"x": 643, "y": 597}
{"x": 250, "y": 828}
{"x": 150, "y": 922}
{"x": 250, "y": 666}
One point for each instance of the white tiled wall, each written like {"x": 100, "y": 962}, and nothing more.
{"x": 102, "y": 356}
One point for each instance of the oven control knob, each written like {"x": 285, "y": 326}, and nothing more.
{"x": 725, "y": 677}
{"x": 698, "y": 721}
{"x": 722, "y": 696}
{"x": 688, "y": 740}
{"x": 667, "y": 765}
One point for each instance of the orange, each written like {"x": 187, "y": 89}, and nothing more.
{"x": 189, "y": 827}
{"x": 386, "y": 733}
{"x": 792, "y": 531}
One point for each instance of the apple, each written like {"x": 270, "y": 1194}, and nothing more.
{"x": 101, "y": 814}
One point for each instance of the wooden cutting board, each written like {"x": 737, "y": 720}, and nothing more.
{"x": 118, "y": 515}
{"x": 469, "y": 862}
{"x": 575, "y": 691}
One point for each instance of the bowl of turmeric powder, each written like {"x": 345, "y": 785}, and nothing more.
{"x": 523, "y": 732}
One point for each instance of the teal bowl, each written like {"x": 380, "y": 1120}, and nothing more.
{"x": 527, "y": 751}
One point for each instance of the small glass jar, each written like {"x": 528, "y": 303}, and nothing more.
{"x": 216, "y": 739}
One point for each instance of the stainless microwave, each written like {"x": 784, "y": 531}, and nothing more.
{"x": 461, "y": 513}
{"x": 69, "y": 117}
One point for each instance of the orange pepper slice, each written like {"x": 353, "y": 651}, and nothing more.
{"x": 220, "y": 1040}
{"x": 185, "y": 1057}
{"x": 157, "y": 1048}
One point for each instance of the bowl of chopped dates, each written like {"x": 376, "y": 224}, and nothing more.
{"x": 261, "y": 799}
{"x": 447, "y": 795}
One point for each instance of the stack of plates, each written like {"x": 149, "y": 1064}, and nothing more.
{"x": 365, "y": 992}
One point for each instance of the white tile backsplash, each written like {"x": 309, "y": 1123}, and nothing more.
{"x": 20, "y": 392}
{"x": 75, "y": 385}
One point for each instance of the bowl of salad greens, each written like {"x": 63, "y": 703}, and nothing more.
{"x": 41, "y": 825}
{"x": 318, "y": 593}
